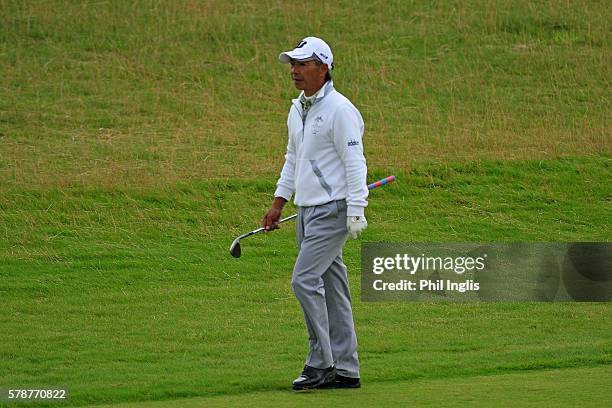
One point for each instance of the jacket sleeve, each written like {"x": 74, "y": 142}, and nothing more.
{"x": 285, "y": 186}
{"x": 348, "y": 134}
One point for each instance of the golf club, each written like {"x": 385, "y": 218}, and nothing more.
{"x": 235, "y": 249}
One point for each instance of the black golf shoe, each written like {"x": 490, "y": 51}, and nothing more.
{"x": 342, "y": 382}
{"x": 314, "y": 377}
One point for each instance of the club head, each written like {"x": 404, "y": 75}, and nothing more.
{"x": 235, "y": 248}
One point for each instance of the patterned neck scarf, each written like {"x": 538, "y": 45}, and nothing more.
{"x": 306, "y": 105}
{"x": 308, "y": 101}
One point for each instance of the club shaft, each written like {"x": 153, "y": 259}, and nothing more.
{"x": 372, "y": 186}
{"x": 248, "y": 234}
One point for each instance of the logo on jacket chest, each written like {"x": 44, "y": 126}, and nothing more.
{"x": 316, "y": 125}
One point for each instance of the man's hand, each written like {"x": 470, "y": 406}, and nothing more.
{"x": 355, "y": 225}
{"x": 270, "y": 220}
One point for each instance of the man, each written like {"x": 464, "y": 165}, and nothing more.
{"x": 326, "y": 170}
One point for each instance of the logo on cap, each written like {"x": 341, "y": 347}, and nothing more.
{"x": 301, "y": 44}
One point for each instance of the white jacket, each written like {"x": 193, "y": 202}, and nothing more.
{"x": 324, "y": 160}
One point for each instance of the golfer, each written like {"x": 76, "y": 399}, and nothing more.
{"x": 325, "y": 171}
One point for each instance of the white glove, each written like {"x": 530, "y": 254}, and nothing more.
{"x": 355, "y": 225}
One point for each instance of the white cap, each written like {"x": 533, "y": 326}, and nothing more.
{"x": 309, "y": 48}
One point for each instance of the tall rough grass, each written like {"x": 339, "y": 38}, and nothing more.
{"x": 148, "y": 93}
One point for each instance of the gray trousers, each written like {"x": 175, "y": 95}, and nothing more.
{"x": 320, "y": 283}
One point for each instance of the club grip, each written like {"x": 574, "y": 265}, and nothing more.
{"x": 382, "y": 182}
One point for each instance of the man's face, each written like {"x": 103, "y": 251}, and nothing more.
{"x": 308, "y": 76}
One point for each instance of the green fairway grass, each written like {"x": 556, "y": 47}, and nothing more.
{"x": 558, "y": 388}
{"x": 132, "y": 295}
{"x": 138, "y": 139}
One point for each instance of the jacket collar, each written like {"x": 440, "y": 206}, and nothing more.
{"x": 325, "y": 90}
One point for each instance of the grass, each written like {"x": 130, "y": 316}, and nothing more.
{"x": 155, "y": 93}
{"x": 138, "y": 139}
{"x": 128, "y": 295}
{"x": 525, "y": 389}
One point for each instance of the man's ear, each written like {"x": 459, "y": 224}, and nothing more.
{"x": 324, "y": 69}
